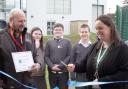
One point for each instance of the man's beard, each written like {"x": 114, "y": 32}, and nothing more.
{"x": 19, "y": 30}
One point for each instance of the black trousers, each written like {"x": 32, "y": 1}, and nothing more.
{"x": 58, "y": 79}
{"x": 80, "y": 77}
{"x": 39, "y": 82}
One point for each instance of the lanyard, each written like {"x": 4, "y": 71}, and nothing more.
{"x": 15, "y": 41}
{"x": 100, "y": 56}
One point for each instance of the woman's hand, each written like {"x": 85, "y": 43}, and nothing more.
{"x": 95, "y": 86}
{"x": 71, "y": 67}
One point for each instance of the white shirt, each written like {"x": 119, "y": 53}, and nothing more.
{"x": 85, "y": 44}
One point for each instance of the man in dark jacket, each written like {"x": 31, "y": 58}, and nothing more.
{"x": 13, "y": 40}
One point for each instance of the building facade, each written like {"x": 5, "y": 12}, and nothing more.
{"x": 7, "y": 5}
{"x": 45, "y": 13}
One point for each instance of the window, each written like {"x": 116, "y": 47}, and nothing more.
{"x": 50, "y": 25}
{"x": 7, "y": 5}
{"x": 3, "y": 24}
{"x": 96, "y": 11}
{"x": 59, "y": 6}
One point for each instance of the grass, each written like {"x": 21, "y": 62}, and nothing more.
{"x": 74, "y": 39}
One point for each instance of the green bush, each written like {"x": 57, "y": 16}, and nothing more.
{"x": 73, "y": 38}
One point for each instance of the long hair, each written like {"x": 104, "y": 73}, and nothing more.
{"x": 41, "y": 40}
{"x": 108, "y": 21}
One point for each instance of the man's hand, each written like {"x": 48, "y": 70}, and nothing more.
{"x": 35, "y": 67}
{"x": 56, "y": 68}
{"x": 71, "y": 67}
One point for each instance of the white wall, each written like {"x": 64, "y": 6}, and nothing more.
{"x": 82, "y": 10}
{"x": 37, "y": 14}
{"x": 58, "y": 18}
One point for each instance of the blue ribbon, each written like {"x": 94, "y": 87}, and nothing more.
{"x": 29, "y": 87}
{"x": 80, "y": 84}
{"x": 56, "y": 87}
{"x": 70, "y": 82}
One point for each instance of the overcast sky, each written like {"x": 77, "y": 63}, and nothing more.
{"x": 111, "y": 5}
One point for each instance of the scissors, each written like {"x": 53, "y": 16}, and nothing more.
{"x": 63, "y": 63}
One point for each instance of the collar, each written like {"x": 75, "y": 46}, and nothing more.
{"x": 85, "y": 44}
{"x": 59, "y": 38}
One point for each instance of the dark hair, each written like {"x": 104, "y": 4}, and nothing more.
{"x": 108, "y": 21}
{"x": 85, "y": 26}
{"x": 58, "y": 25}
{"x": 41, "y": 40}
